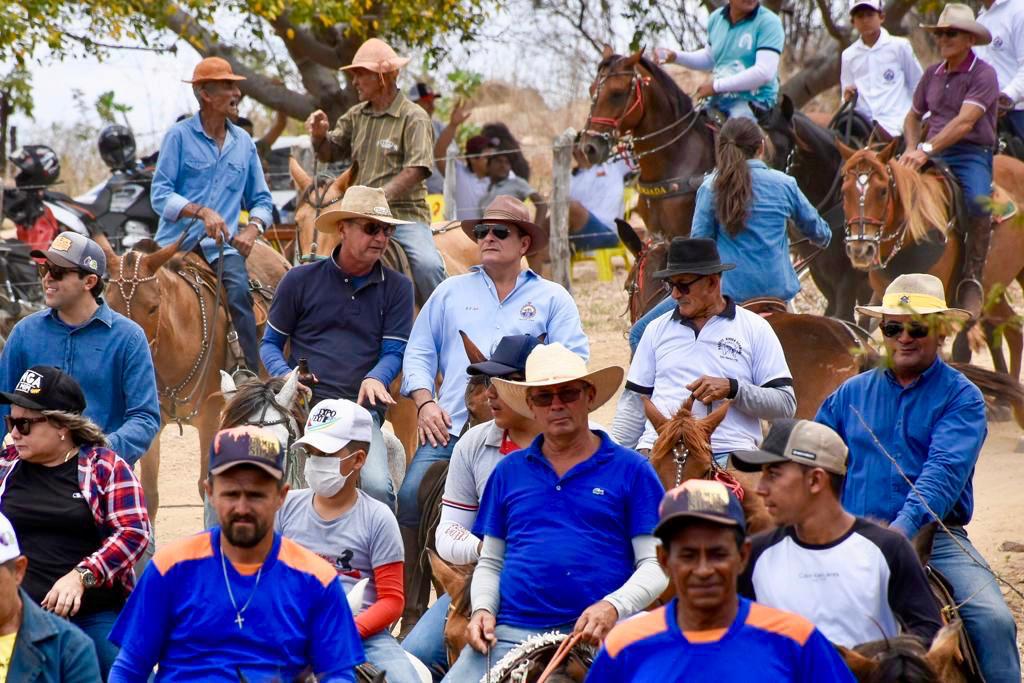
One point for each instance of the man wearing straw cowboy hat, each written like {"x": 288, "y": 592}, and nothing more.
{"x": 208, "y": 168}
{"x": 961, "y": 95}
{"x": 391, "y": 139}
{"x": 567, "y": 524}
{"x": 918, "y": 418}
{"x": 352, "y": 302}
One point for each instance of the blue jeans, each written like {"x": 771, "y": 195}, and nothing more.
{"x": 972, "y": 166}
{"x": 384, "y": 652}
{"x": 375, "y": 477}
{"x": 97, "y": 626}
{"x": 640, "y": 325}
{"x": 1015, "y": 120}
{"x": 594, "y": 235}
{"x": 986, "y": 617}
{"x": 471, "y": 665}
{"x": 427, "y": 265}
{"x": 426, "y": 640}
{"x": 426, "y": 455}
{"x": 236, "y": 285}
{"x": 733, "y": 108}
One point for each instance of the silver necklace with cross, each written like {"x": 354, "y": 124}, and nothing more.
{"x": 238, "y": 612}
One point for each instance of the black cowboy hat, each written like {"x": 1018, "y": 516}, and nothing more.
{"x": 697, "y": 255}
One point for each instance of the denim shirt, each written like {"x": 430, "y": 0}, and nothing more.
{"x": 49, "y": 649}
{"x": 761, "y": 250}
{"x": 108, "y": 356}
{"x": 934, "y": 428}
{"x": 192, "y": 170}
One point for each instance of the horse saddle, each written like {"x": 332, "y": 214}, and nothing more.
{"x": 765, "y": 306}
{"x": 195, "y": 269}
{"x": 1002, "y": 206}
{"x": 1008, "y": 142}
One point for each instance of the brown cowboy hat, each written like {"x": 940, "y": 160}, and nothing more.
{"x": 509, "y": 210}
{"x": 377, "y": 56}
{"x": 213, "y": 69}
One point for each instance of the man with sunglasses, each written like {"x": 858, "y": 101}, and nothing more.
{"x": 917, "y": 417}
{"x": 567, "y": 523}
{"x": 103, "y": 350}
{"x": 961, "y": 96}
{"x": 349, "y": 316}
{"x": 495, "y": 299}
{"x": 707, "y": 347}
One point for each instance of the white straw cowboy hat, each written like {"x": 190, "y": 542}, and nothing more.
{"x": 914, "y": 294}
{"x": 377, "y": 56}
{"x": 960, "y": 17}
{"x": 359, "y": 202}
{"x": 551, "y": 364}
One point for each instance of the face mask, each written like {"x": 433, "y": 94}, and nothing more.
{"x": 324, "y": 476}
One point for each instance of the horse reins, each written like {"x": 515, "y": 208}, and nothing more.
{"x": 862, "y": 220}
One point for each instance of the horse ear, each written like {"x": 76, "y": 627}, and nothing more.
{"x": 355, "y": 595}
{"x": 787, "y": 108}
{"x": 161, "y": 256}
{"x": 346, "y": 179}
{"x": 299, "y": 176}
{"x": 628, "y": 236}
{"x": 286, "y": 397}
{"x": 923, "y": 541}
{"x": 108, "y": 251}
{"x": 887, "y": 152}
{"x": 711, "y": 422}
{"x": 472, "y": 352}
{"x": 844, "y": 151}
{"x": 653, "y": 414}
{"x": 944, "y": 654}
{"x": 227, "y": 383}
{"x": 632, "y": 60}
{"x": 860, "y": 665}
{"x": 607, "y": 51}
{"x": 543, "y": 338}
{"x": 453, "y": 582}
{"x": 687, "y": 404}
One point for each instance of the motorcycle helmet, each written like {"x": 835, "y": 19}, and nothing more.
{"x": 117, "y": 147}
{"x": 38, "y": 166}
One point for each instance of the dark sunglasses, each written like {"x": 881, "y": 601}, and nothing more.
{"x": 946, "y": 32}
{"x": 56, "y": 272}
{"x": 682, "y": 287}
{"x": 916, "y": 330}
{"x": 373, "y": 229}
{"x": 566, "y": 395}
{"x": 23, "y": 424}
{"x": 497, "y": 229}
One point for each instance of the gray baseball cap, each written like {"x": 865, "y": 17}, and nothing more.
{"x": 800, "y": 441}
{"x": 71, "y": 250}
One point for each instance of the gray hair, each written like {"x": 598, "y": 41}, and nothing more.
{"x": 82, "y": 429}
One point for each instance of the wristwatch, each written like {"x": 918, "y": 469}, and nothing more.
{"x": 87, "y": 577}
{"x": 258, "y": 222}
{"x": 925, "y": 147}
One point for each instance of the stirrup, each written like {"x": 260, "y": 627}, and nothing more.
{"x": 962, "y": 289}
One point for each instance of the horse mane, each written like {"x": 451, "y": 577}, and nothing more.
{"x": 251, "y": 396}
{"x": 681, "y": 428}
{"x": 680, "y": 102}
{"x": 923, "y": 198}
{"x": 530, "y": 647}
{"x": 900, "y": 658}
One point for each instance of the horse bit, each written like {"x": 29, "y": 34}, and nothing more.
{"x": 862, "y": 220}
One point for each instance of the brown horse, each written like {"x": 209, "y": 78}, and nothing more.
{"x": 904, "y": 659}
{"x": 171, "y": 295}
{"x": 900, "y": 221}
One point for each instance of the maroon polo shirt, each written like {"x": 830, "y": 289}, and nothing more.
{"x": 943, "y": 91}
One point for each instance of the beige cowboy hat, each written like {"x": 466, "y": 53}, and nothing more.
{"x": 960, "y": 17}
{"x": 507, "y": 209}
{"x": 550, "y": 364}
{"x": 359, "y": 202}
{"x": 213, "y": 69}
{"x": 377, "y": 56}
{"x": 914, "y": 294}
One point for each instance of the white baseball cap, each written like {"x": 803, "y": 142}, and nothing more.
{"x": 333, "y": 423}
{"x": 873, "y": 4}
{"x": 8, "y": 541}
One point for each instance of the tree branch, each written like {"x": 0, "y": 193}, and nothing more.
{"x": 842, "y": 37}
{"x": 302, "y": 43}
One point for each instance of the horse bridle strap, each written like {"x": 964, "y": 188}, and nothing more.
{"x": 670, "y": 187}
{"x": 862, "y": 220}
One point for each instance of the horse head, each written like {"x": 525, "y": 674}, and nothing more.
{"x": 903, "y": 659}
{"x": 870, "y": 204}
{"x": 134, "y": 287}
{"x": 315, "y": 195}
{"x": 644, "y": 290}
{"x": 455, "y": 580}
{"x": 683, "y": 448}
{"x": 272, "y": 404}
{"x": 476, "y": 388}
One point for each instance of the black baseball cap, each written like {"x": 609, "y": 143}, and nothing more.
{"x": 508, "y": 357}
{"x": 701, "y": 499}
{"x": 248, "y": 445}
{"x": 44, "y": 387}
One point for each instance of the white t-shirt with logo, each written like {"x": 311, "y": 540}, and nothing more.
{"x": 600, "y": 190}
{"x": 885, "y": 75}
{"x": 735, "y": 344}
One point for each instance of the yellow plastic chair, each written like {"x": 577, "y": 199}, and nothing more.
{"x": 602, "y": 258}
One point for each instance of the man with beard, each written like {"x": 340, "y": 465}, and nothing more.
{"x": 238, "y": 602}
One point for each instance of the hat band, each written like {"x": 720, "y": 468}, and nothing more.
{"x": 913, "y": 301}
{"x": 501, "y": 214}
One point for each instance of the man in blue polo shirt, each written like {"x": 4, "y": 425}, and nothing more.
{"x": 917, "y": 417}
{"x": 745, "y": 42}
{"x": 566, "y": 523}
{"x": 349, "y": 315}
{"x": 495, "y": 299}
{"x": 106, "y": 352}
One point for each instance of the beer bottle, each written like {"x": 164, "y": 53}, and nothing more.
{"x": 305, "y": 375}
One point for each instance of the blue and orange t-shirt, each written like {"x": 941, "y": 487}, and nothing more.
{"x": 762, "y": 644}
{"x": 181, "y": 617}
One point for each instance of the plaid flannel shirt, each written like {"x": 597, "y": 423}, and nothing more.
{"x": 115, "y": 497}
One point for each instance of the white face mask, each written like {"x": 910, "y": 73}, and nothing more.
{"x": 324, "y": 475}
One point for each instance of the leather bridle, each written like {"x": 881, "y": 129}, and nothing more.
{"x": 862, "y": 220}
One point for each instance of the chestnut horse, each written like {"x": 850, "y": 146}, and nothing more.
{"x": 165, "y": 292}
{"x": 901, "y": 221}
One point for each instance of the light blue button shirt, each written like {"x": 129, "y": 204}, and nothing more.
{"x": 191, "y": 169}
{"x": 470, "y": 303}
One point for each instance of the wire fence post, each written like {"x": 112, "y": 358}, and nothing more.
{"x": 558, "y": 244}
{"x": 450, "y": 159}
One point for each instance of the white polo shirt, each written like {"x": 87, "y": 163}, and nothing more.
{"x": 736, "y": 344}
{"x": 600, "y": 190}
{"x": 1005, "y": 21}
{"x": 885, "y": 76}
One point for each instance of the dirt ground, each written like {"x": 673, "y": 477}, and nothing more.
{"x": 998, "y": 481}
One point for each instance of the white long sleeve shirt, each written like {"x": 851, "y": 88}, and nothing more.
{"x": 885, "y": 76}
{"x": 1005, "y": 21}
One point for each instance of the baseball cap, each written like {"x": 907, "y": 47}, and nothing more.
{"x": 702, "y": 499}
{"x": 43, "y": 387}
{"x": 334, "y": 422}
{"x": 873, "y": 4}
{"x": 509, "y": 356}
{"x": 8, "y": 541}
{"x": 420, "y": 90}
{"x": 800, "y": 441}
{"x": 248, "y": 445}
{"x": 71, "y": 250}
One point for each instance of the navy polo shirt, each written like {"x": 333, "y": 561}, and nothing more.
{"x": 568, "y": 541}
{"x": 339, "y": 322}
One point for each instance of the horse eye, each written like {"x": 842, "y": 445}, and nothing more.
{"x": 153, "y": 309}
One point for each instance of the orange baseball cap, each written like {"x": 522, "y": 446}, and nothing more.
{"x": 214, "y": 69}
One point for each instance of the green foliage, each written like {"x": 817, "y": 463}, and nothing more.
{"x": 16, "y": 87}
{"x": 108, "y": 108}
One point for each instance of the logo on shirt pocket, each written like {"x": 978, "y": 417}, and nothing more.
{"x": 889, "y": 75}
{"x": 388, "y": 145}
{"x": 598, "y": 491}
{"x": 997, "y": 42}
{"x": 729, "y": 348}
{"x": 528, "y": 312}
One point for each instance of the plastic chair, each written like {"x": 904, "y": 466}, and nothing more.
{"x": 603, "y": 260}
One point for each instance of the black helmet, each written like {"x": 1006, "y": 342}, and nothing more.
{"x": 38, "y": 165}
{"x": 117, "y": 147}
